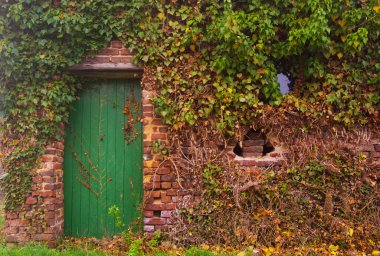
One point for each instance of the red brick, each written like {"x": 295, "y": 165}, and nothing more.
{"x": 375, "y": 154}
{"x": 166, "y": 185}
{"x": 31, "y": 200}
{"x": 121, "y": 59}
{"x": 116, "y": 44}
{"x": 166, "y": 214}
{"x": 37, "y": 179}
{"x": 171, "y": 192}
{"x": 148, "y": 214}
{"x": 163, "y": 171}
{"x": 252, "y": 154}
{"x": 147, "y": 150}
{"x": 166, "y": 199}
{"x": 125, "y": 51}
{"x": 43, "y": 237}
{"x": 149, "y": 228}
{"x": 155, "y": 194}
{"x": 168, "y": 177}
{"x": 50, "y": 152}
{"x": 12, "y": 238}
{"x": 46, "y": 172}
{"x": 156, "y": 178}
{"x": 163, "y": 129}
{"x": 49, "y": 201}
{"x": 152, "y": 185}
{"x": 49, "y": 214}
{"x": 109, "y": 51}
{"x": 154, "y": 207}
{"x": 157, "y": 121}
{"x": 253, "y": 149}
{"x": 11, "y": 216}
{"x": 57, "y": 166}
{"x": 99, "y": 60}
{"x": 156, "y": 136}
{"x": 12, "y": 230}
{"x": 48, "y": 158}
{"x": 155, "y": 221}
{"x": 248, "y": 143}
{"x": 169, "y": 206}
{"x": 148, "y": 108}
{"x": 48, "y": 193}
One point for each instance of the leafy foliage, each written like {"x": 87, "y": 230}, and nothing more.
{"x": 215, "y": 65}
{"x": 280, "y": 209}
{"x": 220, "y": 60}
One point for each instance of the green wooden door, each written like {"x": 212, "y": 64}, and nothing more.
{"x": 103, "y": 158}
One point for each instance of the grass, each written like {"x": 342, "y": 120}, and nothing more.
{"x": 40, "y": 250}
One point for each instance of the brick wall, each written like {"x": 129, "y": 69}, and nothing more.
{"x": 160, "y": 183}
{"x": 161, "y": 188}
{"x": 41, "y": 217}
{"x": 115, "y": 53}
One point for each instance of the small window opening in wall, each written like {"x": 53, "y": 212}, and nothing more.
{"x": 285, "y": 83}
{"x": 254, "y": 144}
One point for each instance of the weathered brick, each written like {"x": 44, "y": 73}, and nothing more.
{"x": 43, "y": 237}
{"x": 116, "y": 44}
{"x": 154, "y": 221}
{"x": 11, "y": 216}
{"x": 253, "y": 149}
{"x": 168, "y": 177}
{"x": 148, "y": 214}
{"x": 120, "y": 59}
{"x": 125, "y": 51}
{"x": 31, "y": 200}
{"x": 252, "y": 154}
{"x": 154, "y": 207}
{"x": 148, "y": 228}
{"x": 109, "y": 51}
{"x": 163, "y": 171}
{"x": 166, "y": 214}
{"x": 166, "y": 199}
{"x": 166, "y": 185}
{"x": 157, "y": 136}
{"x": 171, "y": 192}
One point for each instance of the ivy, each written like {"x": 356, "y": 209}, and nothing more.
{"x": 215, "y": 64}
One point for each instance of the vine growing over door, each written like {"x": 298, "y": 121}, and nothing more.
{"x": 214, "y": 64}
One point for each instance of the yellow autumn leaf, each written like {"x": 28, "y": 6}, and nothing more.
{"x": 351, "y": 232}
{"x": 376, "y": 253}
{"x": 192, "y": 47}
{"x": 340, "y": 55}
{"x": 161, "y": 15}
{"x": 241, "y": 254}
{"x": 342, "y": 23}
{"x": 1, "y": 154}
{"x": 376, "y": 8}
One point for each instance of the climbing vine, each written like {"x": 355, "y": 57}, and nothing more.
{"x": 214, "y": 64}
